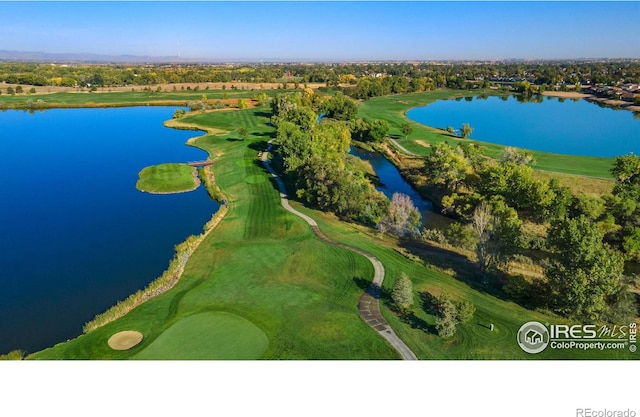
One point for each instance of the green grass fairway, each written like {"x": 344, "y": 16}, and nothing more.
{"x": 265, "y": 265}
{"x": 255, "y": 179}
{"x": 394, "y": 109}
{"x": 260, "y": 263}
{"x": 166, "y": 178}
{"x": 211, "y": 335}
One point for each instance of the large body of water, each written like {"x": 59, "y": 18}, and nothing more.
{"x": 75, "y": 234}
{"x": 564, "y": 127}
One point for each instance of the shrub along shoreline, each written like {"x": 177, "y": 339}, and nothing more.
{"x": 174, "y": 271}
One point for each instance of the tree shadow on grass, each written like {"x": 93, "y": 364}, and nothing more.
{"x": 261, "y": 113}
{"x": 417, "y": 323}
{"x": 258, "y": 146}
{"x": 455, "y": 265}
{"x": 382, "y": 294}
{"x": 428, "y": 302}
{"x": 270, "y": 135}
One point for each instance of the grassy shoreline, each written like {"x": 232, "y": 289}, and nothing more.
{"x": 172, "y": 274}
{"x": 394, "y": 109}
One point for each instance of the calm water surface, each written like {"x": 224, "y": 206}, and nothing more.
{"x": 75, "y": 234}
{"x": 392, "y": 182}
{"x": 569, "y": 127}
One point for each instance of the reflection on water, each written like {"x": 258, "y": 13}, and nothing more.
{"x": 392, "y": 181}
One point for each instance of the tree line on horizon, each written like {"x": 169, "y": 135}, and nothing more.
{"x": 371, "y": 79}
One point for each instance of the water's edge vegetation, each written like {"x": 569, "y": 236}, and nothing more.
{"x": 173, "y": 272}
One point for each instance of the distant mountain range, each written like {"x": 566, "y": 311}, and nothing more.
{"x": 88, "y": 57}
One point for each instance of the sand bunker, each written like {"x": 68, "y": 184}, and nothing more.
{"x": 125, "y": 340}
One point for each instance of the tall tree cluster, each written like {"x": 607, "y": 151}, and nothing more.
{"x": 588, "y": 238}
{"x": 314, "y": 156}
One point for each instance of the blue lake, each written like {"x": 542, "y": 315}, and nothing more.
{"x": 75, "y": 234}
{"x": 564, "y": 127}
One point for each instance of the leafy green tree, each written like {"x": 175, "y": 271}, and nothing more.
{"x": 19, "y": 89}
{"x": 406, "y": 129}
{"x": 585, "y": 273}
{"x": 243, "y": 132}
{"x": 466, "y": 130}
{"x": 294, "y": 145}
{"x": 339, "y": 107}
{"x": 402, "y": 293}
{"x": 446, "y": 318}
{"x": 498, "y": 231}
{"x": 465, "y": 311}
{"x": 364, "y": 130}
{"x": 590, "y": 206}
{"x": 179, "y": 113}
{"x": 11, "y": 91}
{"x": 447, "y": 166}
{"x": 459, "y": 234}
{"x": 626, "y": 169}
{"x": 631, "y": 243}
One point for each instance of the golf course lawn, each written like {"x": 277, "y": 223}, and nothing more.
{"x": 260, "y": 263}
{"x": 167, "y": 178}
{"x": 293, "y": 296}
{"x": 394, "y": 109}
{"x": 211, "y": 335}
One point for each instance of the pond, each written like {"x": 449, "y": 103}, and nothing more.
{"x": 392, "y": 182}
{"x": 75, "y": 234}
{"x": 573, "y": 127}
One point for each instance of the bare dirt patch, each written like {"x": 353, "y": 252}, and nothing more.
{"x": 565, "y": 94}
{"x": 125, "y": 340}
{"x": 423, "y": 143}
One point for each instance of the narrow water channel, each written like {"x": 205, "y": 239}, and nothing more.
{"x": 392, "y": 182}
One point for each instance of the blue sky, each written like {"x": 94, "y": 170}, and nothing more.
{"x": 309, "y": 31}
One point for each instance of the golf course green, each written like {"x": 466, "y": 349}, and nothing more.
{"x": 167, "y": 178}
{"x": 210, "y": 335}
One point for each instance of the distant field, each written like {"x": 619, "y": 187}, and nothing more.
{"x": 122, "y": 98}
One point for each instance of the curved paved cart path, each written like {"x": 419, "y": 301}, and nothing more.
{"x": 369, "y": 304}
